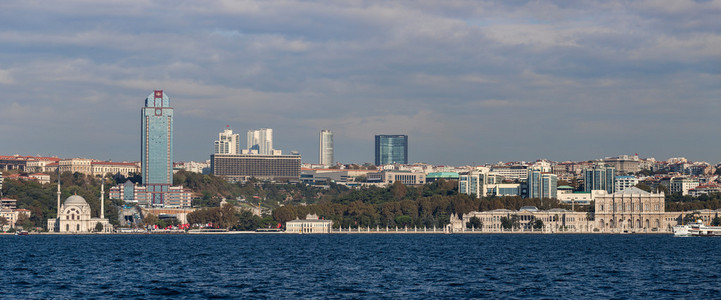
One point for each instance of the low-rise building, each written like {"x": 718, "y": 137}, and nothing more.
{"x": 404, "y": 177}
{"x": 705, "y": 190}
{"x": 41, "y": 177}
{"x": 311, "y": 224}
{"x": 12, "y": 215}
{"x": 435, "y": 176}
{"x": 552, "y": 220}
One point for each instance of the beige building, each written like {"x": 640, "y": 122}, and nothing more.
{"x": 122, "y": 168}
{"x": 96, "y": 168}
{"x": 80, "y": 165}
{"x": 389, "y": 177}
{"x": 554, "y": 220}
{"x": 630, "y": 210}
{"x": 311, "y": 224}
{"x": 12, "y": 215}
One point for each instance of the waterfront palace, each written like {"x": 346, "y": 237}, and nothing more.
{"x": 629, "y": 211}
{"x": 311, "y": 224}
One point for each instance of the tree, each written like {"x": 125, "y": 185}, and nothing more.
{"x": 537, "y": 224}
{"x": 98, "y": 227}
{"x": 228, "y": 216}
{"x": 403, "y": 221}
{"x": 23, "y": 221}
{"x": 3, "y": 221}
{"x": 512, "y": 222}
{"x": 399, "y": 190}
{"x": 716, "y": 221}
{"x": 474, "y": 222}
{"x": 644, "y": 187}
{"x": 688, "y": 218}
{"x": 150, "y": 219}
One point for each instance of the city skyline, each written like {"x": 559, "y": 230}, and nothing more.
{"x": 468, "y": 81}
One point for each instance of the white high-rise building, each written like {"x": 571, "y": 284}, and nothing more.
{"x": 260, "y": 140}
{"x": 228, "y": 142}
{"x": 326, "y": 148}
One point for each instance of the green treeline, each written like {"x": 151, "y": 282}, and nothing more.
{"x": 229, "y": 217}
{"x": 398, "y": 205}
{"x": 678, "y": 202}
{"x": 211, "y": 189}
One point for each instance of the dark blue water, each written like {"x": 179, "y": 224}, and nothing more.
{"x": 360, "y": 266}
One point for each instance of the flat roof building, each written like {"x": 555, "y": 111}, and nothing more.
{"x": 238, "y": 167}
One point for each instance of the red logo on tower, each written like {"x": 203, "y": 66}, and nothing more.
{"x": 158, "y": 94}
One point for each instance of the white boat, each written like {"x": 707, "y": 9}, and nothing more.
{"x": 696, "y": 229}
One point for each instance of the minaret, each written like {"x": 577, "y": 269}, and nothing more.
{"x": 58, "y": 215}
{"x": 102, "y": 198}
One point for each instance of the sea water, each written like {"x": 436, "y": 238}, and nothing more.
{"x": 416, "y": 266}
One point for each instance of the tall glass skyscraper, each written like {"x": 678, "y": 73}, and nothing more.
{"x": 157, "y": 146}
{"x": 600, "y": 177}
{"x": 326, "y": 148}
{"x": 542, "y": 185}
{"x": 391, "y": 149}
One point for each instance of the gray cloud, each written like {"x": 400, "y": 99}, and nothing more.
{"x": 469, "y": 81}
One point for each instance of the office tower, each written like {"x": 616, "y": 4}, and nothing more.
{"x": 391, "y": 149}
{"x": 326, "y": 148}
{"x": 261, "y": 140}
{"x": 228, "y": 142}
{"x": 157, "y": 146}
{"x": 600, "y": 177}
{"x": 542, "y": 185}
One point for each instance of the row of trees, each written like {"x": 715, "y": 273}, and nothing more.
{"x": 229, "y": 217}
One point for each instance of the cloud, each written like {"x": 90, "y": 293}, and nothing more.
{"x": 490, "y": 80}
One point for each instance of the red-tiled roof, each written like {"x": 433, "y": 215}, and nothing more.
{"x": 109, "y": 163}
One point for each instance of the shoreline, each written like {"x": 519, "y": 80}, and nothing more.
{"x": 348, "y": 232}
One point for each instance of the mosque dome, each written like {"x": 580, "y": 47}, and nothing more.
{"x": 75, "y": 200}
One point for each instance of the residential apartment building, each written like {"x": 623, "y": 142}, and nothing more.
{"x": 682, "y": 185}
{"x": 260, "y": 141}
{"x": 175, "y": 197}
{"x": 624, "y": 182}
{"x": 227, "y": 143}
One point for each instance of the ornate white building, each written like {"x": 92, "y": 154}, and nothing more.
{"x": 631, "y": 210}
{"x": 74, "y": 216}
{"x": 311, "y": 224}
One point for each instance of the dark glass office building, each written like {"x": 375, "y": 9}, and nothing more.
{"x": 157, "y": 146}
{"x": 391, "y": 149}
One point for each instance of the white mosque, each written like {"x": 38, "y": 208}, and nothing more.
{"x": 74, "y": 215}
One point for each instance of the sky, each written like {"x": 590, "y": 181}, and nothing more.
{"x": 469, "y": 82}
